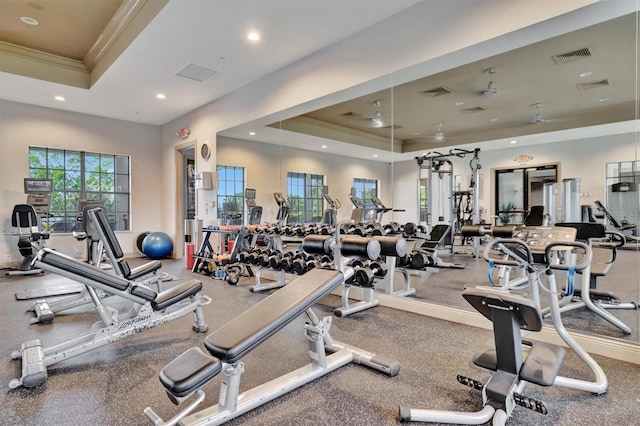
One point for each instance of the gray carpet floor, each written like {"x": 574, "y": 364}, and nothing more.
{"x": 112, "y": 385}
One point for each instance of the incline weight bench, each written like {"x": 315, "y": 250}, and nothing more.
{"x": 150, "y": 309}
{"x": 99, "y": 232}
{"x": 426, "y": 256}
{"x": 186, "y": 375}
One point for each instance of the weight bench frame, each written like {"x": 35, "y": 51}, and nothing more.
{"x": 97, "y": 227}
{"x": 230, "y": 343}
{"x": 150, "y": 309}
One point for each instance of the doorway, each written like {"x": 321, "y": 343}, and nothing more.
{"x": 185, "y": 191}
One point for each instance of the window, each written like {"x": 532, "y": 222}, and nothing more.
{"x": 365, "y": 189}
{"x": 305, "y": 197}
{"x": 623, "y": 179}
{"x": 230, "y": 189}
{"x": 79, "y": 175}
{"x": 423, "y": 201}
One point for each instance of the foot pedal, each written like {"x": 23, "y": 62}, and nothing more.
{"x": 530, "y": 403}
{"x": 43, "y": 312}
{"x": 472, "y": 383}
{"x": 34, "y": 372}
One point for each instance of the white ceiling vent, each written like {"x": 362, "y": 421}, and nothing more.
{"x": 571, "y": 56}
{"x": 473, "y": 110}
{"x": 196, "y": 72}
{"x": 438, "y": 91}
{"x": 593, "y": 84}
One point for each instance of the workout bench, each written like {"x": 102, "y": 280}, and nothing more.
{"x": 150, "y": 309}
{"x": 186, "y": 375}
{"x": 97, "y": 228}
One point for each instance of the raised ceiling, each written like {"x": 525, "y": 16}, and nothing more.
{"x": 584, "y": 78}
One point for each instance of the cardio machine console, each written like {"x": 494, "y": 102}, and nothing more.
{"x": 539, "y": 237}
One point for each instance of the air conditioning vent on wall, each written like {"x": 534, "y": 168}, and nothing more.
{"x": 564, "y": 58}
{"x": 593, "y": 84}
{"x": 196, "y": 72}
{"x": 438, "y": 91}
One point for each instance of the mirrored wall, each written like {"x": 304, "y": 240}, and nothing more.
{"x": 564, "y": 108}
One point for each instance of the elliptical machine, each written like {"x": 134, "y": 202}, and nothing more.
{"x": 511, "y": 313}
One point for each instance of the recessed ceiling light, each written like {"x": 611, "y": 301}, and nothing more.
{"x": 603, "y": 99}
{"x": 512, "y": 142}
{"x": 161, "y": 96}
{"x": 59, "y": 98}
{"x": 375, "y": 155}
{"x": 424, "y": 153}
{"x": 252, "y": 133}
{"x": 416, "y": 134}
{"x": 253, "y": 36}
{"x": 29, "y": 20}
{"x": 323, "y": 147}
{"x": 586, "y": 74}
{"x": 459, "y": 103}
{"x": 493, "y": 120}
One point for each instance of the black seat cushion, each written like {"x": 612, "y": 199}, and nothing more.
{"x": 542, "y": 364}
{"x": 189, "y": 372}
{"x": 176, "y": 294}
{"x": 241, "y": 335}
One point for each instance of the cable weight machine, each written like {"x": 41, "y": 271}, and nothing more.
{"x": 441, "y": 202}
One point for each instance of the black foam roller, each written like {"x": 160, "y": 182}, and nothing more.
{"x": 392, "y": 246}
{"x": 360, "y": 247}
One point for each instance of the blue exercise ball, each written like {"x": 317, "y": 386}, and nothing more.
{"x": 157, "y": 245}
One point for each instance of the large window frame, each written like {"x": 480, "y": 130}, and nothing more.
{"x": 231, "y": 184}
{"x": 82, "y": 175}
{"x": 305, "y": 196}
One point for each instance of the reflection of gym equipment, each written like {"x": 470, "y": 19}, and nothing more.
{"x": 254, "y": 211}
{"x": 186, "y": 375}
{"x": 30, "y": 237}
{"x": 380, "y": 209}
{"x": 358, "y": 213}
{"x": 150, "y": 309}
{"x": 231, "y": 214}
{"x": 510, "y": 314}
{"x": 630, "y": 230}
{"x": 438, "y": 200}
{"x": 283, "y": 208}
{"x": 603, "y": 245}
{"x": 426, "y": 254}
{"x": 330, "y": 214}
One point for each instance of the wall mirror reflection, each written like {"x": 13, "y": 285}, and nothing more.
{"x": 522, "y": 109}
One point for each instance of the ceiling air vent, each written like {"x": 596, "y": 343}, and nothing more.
{"x": 571, "y": 56}
{"x": 350, "y": 114}
{"x": 473, "y": 110}
{"x": 593, "y": 84}
{"x": 438, "y": 91}
{"x": 196, "y": 72}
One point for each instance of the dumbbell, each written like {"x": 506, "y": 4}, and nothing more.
{"x": 364, "y": 276}
{"x": 325, "y": 229}
{"x": 388, "y": 229}
{"x": 324, "y": 262}
{"x": 421, "y": 260}
{"x": 263, "y": 258}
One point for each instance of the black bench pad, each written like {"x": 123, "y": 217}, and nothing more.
{"x": 69, "y": 264}
{"x": 189, "y": 372}
{"x": 176, "y": 294}
{"x": 542, "y": 364}
{"x": 138, "y": 271}
{"x": 241, "y": 335}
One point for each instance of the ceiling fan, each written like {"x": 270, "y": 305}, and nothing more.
{"x": 376, "y": 120}
{"x": 439, "y": 136}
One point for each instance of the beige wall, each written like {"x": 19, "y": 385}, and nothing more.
{"x": 23, "y": 125}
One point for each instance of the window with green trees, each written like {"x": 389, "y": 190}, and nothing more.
{"x": 230, "y": 188}
{"x": 305, "y": 197}
{"x": 80, "y": 175}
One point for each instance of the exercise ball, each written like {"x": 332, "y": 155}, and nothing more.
{"x": 157, "y": 245}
